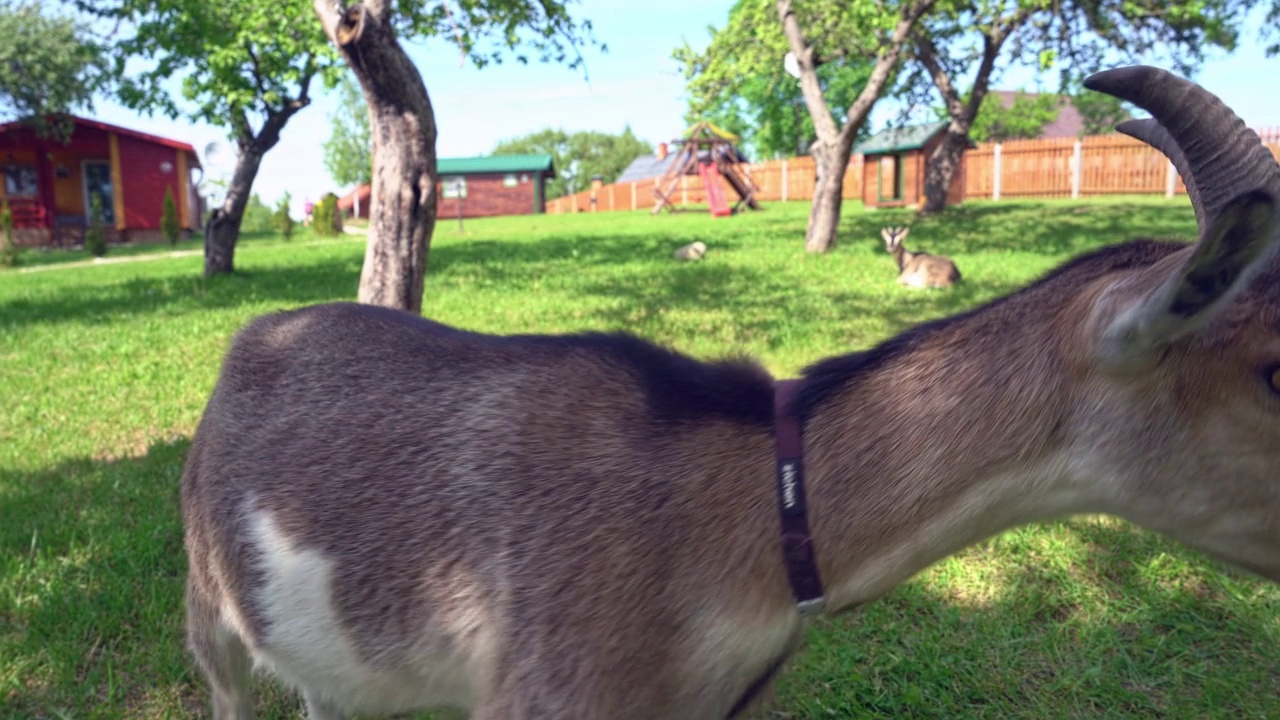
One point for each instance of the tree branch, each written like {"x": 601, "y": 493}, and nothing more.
{"x": 992, "y": 42}
{"x": 304, "y": 85}
{"x": 810, "y": 88}
{"x": 927, "y": 54}
{"x": 240, "y": 126}
{"x": 885, "y": 62}
{"x": 257, "y": 73}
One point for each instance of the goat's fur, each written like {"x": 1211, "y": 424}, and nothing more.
{"x": 393, "y": 514}
{"x": 918, "y": 269}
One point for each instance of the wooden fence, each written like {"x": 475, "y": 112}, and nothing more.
{"x": 1058, "y": 168}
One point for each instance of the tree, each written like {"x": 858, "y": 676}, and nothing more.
{"x": 281, "y": 220}
{"x": 816, "y": 33}
{"x": 970, "y": 36}
{"x": 51, "y": 66}
{"x": 169, "y": 226}
{"x": 1025, "y": 117}
{"x": 845, "y": 52}
{"x": 326, "y": 218}
{"x": 739, "y": 83}
{"x": 403, "y": 194}
{"x": 1099, "y": 112}
{"x": 579, "y": 156}
{"x": 348, "y": 153}
{"x": 95, "y": 237}
{"x": 247, "y": 66}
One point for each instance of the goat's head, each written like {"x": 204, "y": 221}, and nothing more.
{"x": 1184, "y": 353}
{"x": 893, "y": 237}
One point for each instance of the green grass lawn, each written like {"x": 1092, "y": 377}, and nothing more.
{"x": 104, "y": 371}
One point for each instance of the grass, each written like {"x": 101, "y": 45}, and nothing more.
{"x": 104, "y": 371}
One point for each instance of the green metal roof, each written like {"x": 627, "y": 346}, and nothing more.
{"x": 494, "y": 164}
{"x": 899, "y": 139}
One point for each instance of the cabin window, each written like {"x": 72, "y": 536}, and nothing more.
{"x": 20, "y": 181}
{"x": 454, "y": 187}
{"x": 508, "y": 180}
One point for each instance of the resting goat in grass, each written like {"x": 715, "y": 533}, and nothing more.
{"x": 918, "y": 269}
{"x": 395, "y": 514}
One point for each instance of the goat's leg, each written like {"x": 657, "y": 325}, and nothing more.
{"x": 320, "y": 709}
{"x": 221, "y": 656}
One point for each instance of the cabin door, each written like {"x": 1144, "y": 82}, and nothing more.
{"x": 97, "y": 183}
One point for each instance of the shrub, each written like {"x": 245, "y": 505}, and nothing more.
{"x": 95, "y": 237}
{"x": 325, "y": 218}
{"x": 281, "y": 221}
{"x": 257, "y": 216}
{"x": 8, "y": 250}
{"x": 169, "y": 217}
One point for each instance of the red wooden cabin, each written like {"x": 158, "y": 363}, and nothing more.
{"x": 48, "y": 183}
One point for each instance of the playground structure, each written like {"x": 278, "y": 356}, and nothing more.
{"x": 710, "y": 153}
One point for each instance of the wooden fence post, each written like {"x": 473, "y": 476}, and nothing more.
{"x": 1170, "y": 180}
{"x": 1076, "y": 159}
{"x": 784, "y": 180}
{"x": 996, "y": 171}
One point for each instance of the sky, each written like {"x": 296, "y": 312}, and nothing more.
{"x": 636, "y": 83}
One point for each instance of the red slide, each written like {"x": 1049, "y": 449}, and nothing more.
{"x": 710, "y": 175}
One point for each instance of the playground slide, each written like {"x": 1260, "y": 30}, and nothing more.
{"x": 739, "y": 186}
{"x": 715, "y": 192}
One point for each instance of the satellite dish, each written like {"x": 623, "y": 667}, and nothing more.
{"x": 791, "y": 64}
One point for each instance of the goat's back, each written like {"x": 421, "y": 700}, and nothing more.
{"x": 926, "y": 270}
{"x": 455, "y": 483}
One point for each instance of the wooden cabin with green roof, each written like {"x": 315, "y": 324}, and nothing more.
{"x": 894, "y": 164}
{"x": 478, "y": 187}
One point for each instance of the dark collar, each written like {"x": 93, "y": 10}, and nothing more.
{"x": 797, "y": 545}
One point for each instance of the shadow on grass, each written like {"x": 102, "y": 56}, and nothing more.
{"x": 1047, "y": 228}
{"x": 1079, "y": 619}
{"x": 518, "y": 263}
{"x": 175, "y": 293}
{"x": 1124, "y": 624}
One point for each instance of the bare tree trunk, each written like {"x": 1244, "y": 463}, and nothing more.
{"x": 828, "y": 195}
{"x": 834, "y": 144}
{"x": 940, "y": 168}
{"x": 402, "y": 202}
{"x": 946, "y": 158}
{"x": 223, "y": 228}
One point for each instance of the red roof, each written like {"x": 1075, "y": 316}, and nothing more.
{"x": 348, "y": 201}
{"x": 107, "y": 127}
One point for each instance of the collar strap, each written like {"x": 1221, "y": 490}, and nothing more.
{"x": 797, "y": 545}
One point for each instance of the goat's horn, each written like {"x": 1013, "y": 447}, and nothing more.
{"x": 1216, "y": 154}
{"x": 1153, "y": 133}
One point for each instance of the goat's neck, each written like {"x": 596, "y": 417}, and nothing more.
{"x": 901, "y": 256}
{"x": 939, "y": 448}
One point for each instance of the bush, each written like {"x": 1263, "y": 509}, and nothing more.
{"x": 326, "y": 221}
{"x": 281, "y": 222}
{"x": 169, "y": 217}
{"x": 257, "y": 216}
{"x": 8, "y": 250}
{"x": 95, "y": 238}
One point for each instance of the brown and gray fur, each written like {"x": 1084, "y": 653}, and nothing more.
{"x": 918, "y": 269}
{"x": 393, "y": 514}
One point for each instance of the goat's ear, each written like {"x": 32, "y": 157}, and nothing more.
{"x": 886, "y": 235}
{"x": 1230, "y": 252}
{"x": 903, "y": 232}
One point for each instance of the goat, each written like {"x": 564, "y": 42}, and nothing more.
{"x": 918, "y": 269}
{"x": 394, "y": 514}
